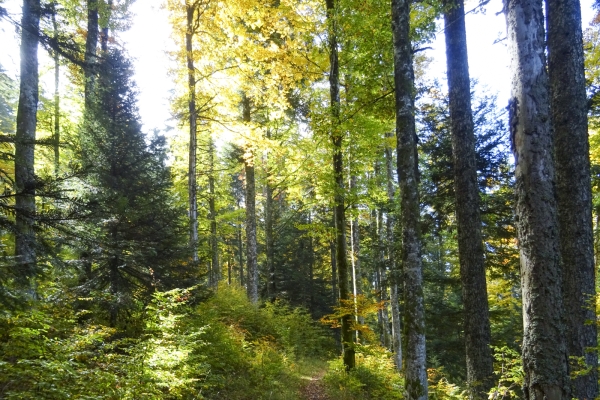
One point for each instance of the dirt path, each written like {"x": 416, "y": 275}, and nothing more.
{"x": 314, "y": 388}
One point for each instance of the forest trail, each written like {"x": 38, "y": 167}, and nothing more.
{"x": 314, "y": 388}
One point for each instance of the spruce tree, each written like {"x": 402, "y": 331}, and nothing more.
{"x": 135, "y": 229}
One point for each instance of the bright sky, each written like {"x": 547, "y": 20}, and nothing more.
{"x": 488, "y": 59}
{"x": 149, "y": 38}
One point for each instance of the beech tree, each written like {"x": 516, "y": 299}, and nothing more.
{"x": 193, "y": 15}
{"x": 341, "y": 256}
{"x": 408, "y": 175}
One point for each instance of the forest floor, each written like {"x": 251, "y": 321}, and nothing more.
{"x": 314, "y": 389}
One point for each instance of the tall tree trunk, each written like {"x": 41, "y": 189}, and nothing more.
{"x": 193, "y": 143}
{"x": 334, "y": 275}
{"x": 414, "y": 310}
{"x": 573, "y": 187}
{"x": 229, "y": 269}
{"x": 394, "y": 272}
{"x": 212, "y": 214}
{"x": 56, "y": 138}
{"x": 545, "y": 359}
{"x": 25, "y": 242}
{"x": 251, "y": 247}
{"x": 355, "y": 261}
{"x": 338, "y": 173}
{"x": 383, "y": 286}
{"x": 269, "y": 239}
{"x": 311, "y": 266}
{"x": 480, "y": 367}
{"x": 91, "y": 44}
{"x": 241, "y": 254}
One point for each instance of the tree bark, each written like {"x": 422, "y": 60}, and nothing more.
{"x": 338, "y": 173}
{"x": 545, "y": 359}
{"x": 573, "y": 187}
{"x": 414, "y": 310}
{"x": 25, "y": 242}
{"x": 193, "y": 143}
{"x": 479, "y": 359}
{"x": 251, "y": 246}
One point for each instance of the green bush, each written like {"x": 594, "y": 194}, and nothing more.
{"x": 375, "y": 377}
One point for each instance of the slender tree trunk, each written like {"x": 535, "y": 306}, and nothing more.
{"x": 272, "y": 285}
{"x": 251, "y": 246}
{"x": 193, "y": 144}
{"x": 480, "y": 368}
{"x": 334, "y": 275}
{"x": 251, "y": 253}
{"x": 573, "y": 186}
{"x": 269, "y": 239}
{"x": 355, "y": 258}
{"x": 394, "y": 272}
{"x": 91, "y": 58}
{"x": 241, "y": 255}
{"x": 311, "y": 266}
{"x": 214, "y": 243}
{"x": 414, "y": 310}
{"x": 545, "y": 359}
{"x": 25, "y": 242}
{"x": 383, "y": 287}
{"x": 229, "y": 269}
{"x": 338, "y": 173}
{"x": 56, "y": 57}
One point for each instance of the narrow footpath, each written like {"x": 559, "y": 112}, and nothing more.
{"x": 314, "y": 388}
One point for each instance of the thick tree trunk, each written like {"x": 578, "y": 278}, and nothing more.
{"x": 338, "y": 173}
{"x": 193, "y": 144}
{"x": 414, "y": 309}
{"x": 214, "y": 243}
{"x": 545, "y": 359}
{"x": 25, "y": 242}
{"x": 480, "y": 368}
{"x": 251, "y": 253}
{"x": 573, "y": 187}
{"x": 251, "y": 246}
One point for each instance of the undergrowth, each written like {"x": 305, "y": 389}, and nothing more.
{"x": 223, "y": 348}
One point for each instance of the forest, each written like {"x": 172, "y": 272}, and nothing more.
{"x": 321, "y": 222}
